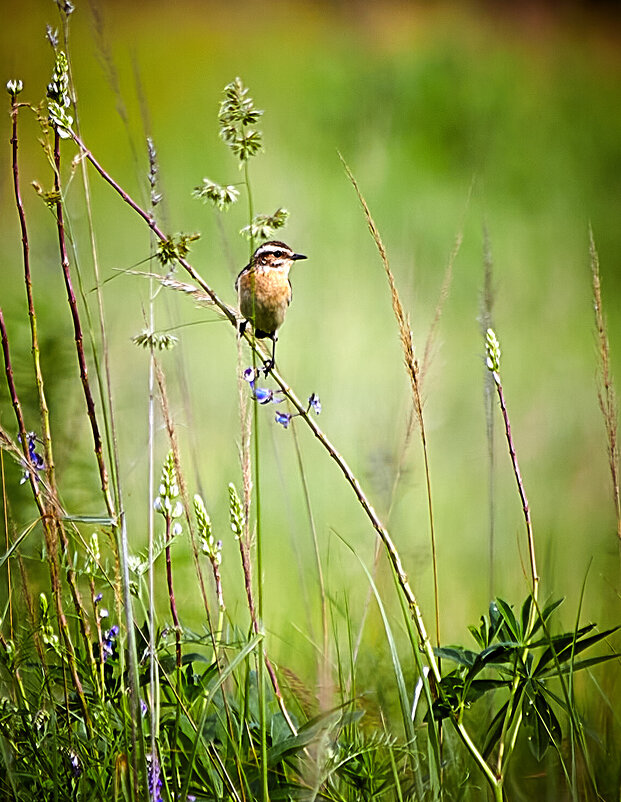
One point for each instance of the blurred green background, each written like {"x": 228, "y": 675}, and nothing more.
{"x": 454, "y": 118}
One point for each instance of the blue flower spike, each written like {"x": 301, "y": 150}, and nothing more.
{"x": 283, "y": 418}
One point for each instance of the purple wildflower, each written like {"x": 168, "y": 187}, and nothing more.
{"x": 263, "y": 395}
{"x": 283, "y": 418}
{"x": 74, "y": 762}
{"x": 154, "y": 777}
{"x": 35, "y": 459}
{"x": 250, "y": 375}
{"x": 108, "y": 642}
{"x": 314, "y": 403}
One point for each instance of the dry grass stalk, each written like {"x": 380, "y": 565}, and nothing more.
{"x": 414, "y": 374}
{"x": 605, "y": 391}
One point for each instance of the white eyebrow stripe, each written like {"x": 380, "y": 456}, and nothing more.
{"x": 274, "y": 249}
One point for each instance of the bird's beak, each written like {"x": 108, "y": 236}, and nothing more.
{"x": 297, "y": 256}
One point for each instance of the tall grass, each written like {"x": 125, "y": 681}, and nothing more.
{"x": 129, "y": 702}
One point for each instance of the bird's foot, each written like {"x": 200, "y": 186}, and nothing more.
{"x": 268, "y": 366}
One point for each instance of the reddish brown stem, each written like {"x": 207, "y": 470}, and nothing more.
{"x": 171, "y": 592}
{"x": 161, "y": 382}
{"x": 47, "y": 528}
{"x": 45, "y": 417}
{"x": 520, "y": 484}
{"x": 79, "y": 338}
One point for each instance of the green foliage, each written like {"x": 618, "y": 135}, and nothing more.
{"x": 169, "y": 250}
{"x": 263, "y": 226}
{"x": 237, "y": 112}
{"x": 156, "y": 341}
{"x": 221, "y": 197}
{"x": 521, "y": 658}
{"x": 59, "y": 99}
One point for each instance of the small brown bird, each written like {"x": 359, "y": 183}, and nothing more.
{"x": 264, "y": 291}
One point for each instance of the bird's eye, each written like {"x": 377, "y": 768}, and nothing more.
{"x": 278, "y": 254}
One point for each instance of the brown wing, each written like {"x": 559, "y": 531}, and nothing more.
{"x": 241, "y": 272}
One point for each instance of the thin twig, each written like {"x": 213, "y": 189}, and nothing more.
{"x": 78, "y": 335}
{"x": 521, "y": 489}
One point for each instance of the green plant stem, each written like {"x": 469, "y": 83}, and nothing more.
{"x": 250, "y": 203}
{"x": 504, "y": 750}
{"x": 100, "y": 673}
{"x": 175, "y": 619}
{"x": 494, "y": 782}
{"x": 258, "y": 621}
{"x": 324, "y": 660}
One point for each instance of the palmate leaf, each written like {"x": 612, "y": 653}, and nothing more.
{"x": 459, "y": 655}
{"x": 509, "y": 619}
{"x": 498, "y": 654}
{"x": 525, "y": 615}
{"x": 545, "y": 615}
{"x": 570, "y": 644}
{"x": 579, "y": 665}
{"x": 484, "y": 634}
{"x": 560, "y": 641}
{"x": 540, "y": 722}
{"x": 495, "y": 728}
{"x": 480, "y": 634}
{"x": 458, "y": 694}
{"x": 479, "y": 687}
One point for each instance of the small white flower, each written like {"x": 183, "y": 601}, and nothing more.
{"x": 14, "y": 87}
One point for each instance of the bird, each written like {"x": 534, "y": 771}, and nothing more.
{"x": 264, "y": 292}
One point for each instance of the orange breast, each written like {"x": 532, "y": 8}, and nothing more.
{"x": 264, "y": 298}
